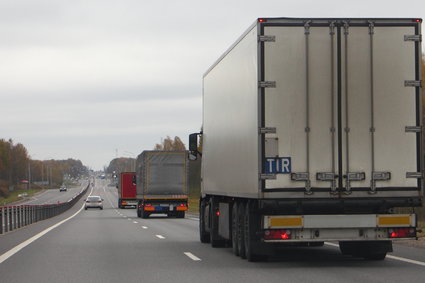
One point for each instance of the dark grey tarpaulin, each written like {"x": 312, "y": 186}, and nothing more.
{"x": 161, "y": 173}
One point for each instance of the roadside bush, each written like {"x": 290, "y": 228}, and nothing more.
{"x": 4, "y": 189}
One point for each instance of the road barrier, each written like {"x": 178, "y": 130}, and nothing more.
{"x": 17, "y": 216}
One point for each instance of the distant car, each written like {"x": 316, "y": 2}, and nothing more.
{"x": 62, "y": 189}
{"x": 94, "y": 202}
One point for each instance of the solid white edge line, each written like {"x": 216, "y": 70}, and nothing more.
{"x": 160, "y": 236}
{"x": 192, "y": 257}
{"x": 421, "y": 263}
{"x": 22, "y": 245}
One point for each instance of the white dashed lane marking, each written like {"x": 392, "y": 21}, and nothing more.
{"x": 160, "y": 236}
{"x": 192, "y": 256}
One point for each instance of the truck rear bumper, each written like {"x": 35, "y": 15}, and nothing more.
{"x": 125, "y": 202}
{"x": 363, "y": 227}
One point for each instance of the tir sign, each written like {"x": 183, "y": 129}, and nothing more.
{"x": 278, "y": 165}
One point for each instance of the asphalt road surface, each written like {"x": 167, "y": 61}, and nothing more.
{"x": 54, "y": 195}
{"x": 113, "y": 245}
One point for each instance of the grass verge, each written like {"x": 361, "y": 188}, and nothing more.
{"x": 194, "y": 204}
{"x": 14, "y": 196}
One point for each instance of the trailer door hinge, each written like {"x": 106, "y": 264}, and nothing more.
{"x": 413, "y": 83}
{"x": 413, "y": 129}
{"x": 268, "y": 130}
{"x": 268, "y": 176}
{"x": 266, "y": 38}
{"x": 417, "y": 175}
{"x": 265, "y": 84}
{"x": 413, "y": 37}
{"x": 381, "y": 176}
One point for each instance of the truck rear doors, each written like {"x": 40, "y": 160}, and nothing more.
{"x": 342, "y": 107}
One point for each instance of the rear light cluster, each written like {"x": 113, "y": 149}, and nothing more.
{"x": 277, "y": 234}
{"x": 181, "y": 207}
{"x": 149, "y": 207}
{"x": 402, "y": 233}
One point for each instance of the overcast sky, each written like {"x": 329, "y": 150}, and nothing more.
{"x": 93, "y": 79}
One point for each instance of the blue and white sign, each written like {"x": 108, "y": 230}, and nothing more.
{"x": 278, "y": 165}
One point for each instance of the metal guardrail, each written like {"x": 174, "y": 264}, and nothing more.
{"x": 17, "y": 216}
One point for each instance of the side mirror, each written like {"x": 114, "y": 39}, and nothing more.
{"x": 193, "y": 142}
{"x": 192, "y": 157}
{"x": 193, "y": 146}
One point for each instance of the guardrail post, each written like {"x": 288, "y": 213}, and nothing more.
{"x": 19, "y": 215}
{"x": 5, "y": 218}
{"x": 25, "y": 215}
{"x": 34, "y": 213}
{"x": 14, "y": 218}
{"x": 1, "y": 220}
{"x": 22, "y": 215}
{"x": 10, "y": 218}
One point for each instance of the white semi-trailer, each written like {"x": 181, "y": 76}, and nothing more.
{"x": 312, "y": 132}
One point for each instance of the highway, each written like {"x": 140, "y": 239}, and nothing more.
{"x": 113, "y": 245}
{"x": 53, "y": 196}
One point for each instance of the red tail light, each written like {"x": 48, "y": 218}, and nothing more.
{"x": 217, "y": 213}
{"x": 277, "y": 234}
{"x": 417, "y": 20}
{"x": 262, "y": 20}
{"x": 402, "y": 233}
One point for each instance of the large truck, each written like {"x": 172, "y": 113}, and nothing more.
{"x": 127, "y": 190}
{"x": 312, "y": 132}
{"x": 162, "y": 183}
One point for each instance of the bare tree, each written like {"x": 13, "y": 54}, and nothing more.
{"x": 169, "y": 144}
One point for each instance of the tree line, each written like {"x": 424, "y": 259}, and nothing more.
{"x": 124, "y": 164}
{"x": 18, "y": 169}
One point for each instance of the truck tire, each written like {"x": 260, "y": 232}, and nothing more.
{"x": 180, "y": 214}
{"x": 241, "y": 230}
{"x": 235, "y": 235}
{"x": 204, "y": 236}
{"x": 145, "y": 214}
{"x": 139, "y": 214}
{"x": 251, "y": 223}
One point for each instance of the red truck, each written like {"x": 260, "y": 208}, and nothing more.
{"x": 127, "y": 190}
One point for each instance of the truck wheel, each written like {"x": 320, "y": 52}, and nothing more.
{"x": 203, "y": 234}
{"x": 138, "y": 213}
{"x": 180, "y": 214}
{"x": 235, "y": 235}
{"x": 250, "y": 223}
{"x": 241, "y": 230}
{"x": 145, "y": 214}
